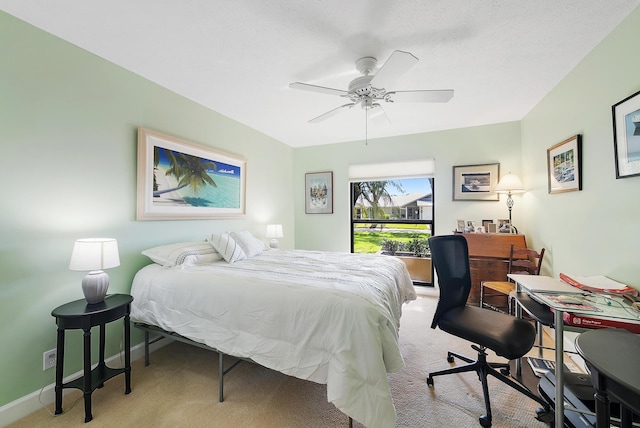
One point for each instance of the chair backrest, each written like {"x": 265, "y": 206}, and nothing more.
{"x": 450, "y": 257}
{"x": 525, "y": 261}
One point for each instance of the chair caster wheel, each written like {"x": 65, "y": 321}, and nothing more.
{"x": 545, "y": 415}
{"x": 485, "y": 421}
{"x": 430, "y": 381}
{"x": 450, "y": 358}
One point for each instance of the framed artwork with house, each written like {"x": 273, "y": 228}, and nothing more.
{"x": 318, "y": 192}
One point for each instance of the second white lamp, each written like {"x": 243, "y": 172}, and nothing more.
{"x": 274, "y": 231}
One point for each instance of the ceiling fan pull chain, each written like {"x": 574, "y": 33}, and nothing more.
{"x": 366, "y": 127}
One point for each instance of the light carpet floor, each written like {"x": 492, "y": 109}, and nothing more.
{"x": 180, "y": 389}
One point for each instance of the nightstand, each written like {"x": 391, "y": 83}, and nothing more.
{"x": 81, "y": 315}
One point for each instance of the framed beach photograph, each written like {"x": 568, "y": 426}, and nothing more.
{"x": 181, "y": 180}
{"x": 564, "y": 168}
{"x": 476, "y": 182}
{"x": 318, "y": 192}
{"x": 626, "y": 136}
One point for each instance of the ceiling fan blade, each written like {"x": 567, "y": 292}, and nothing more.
{"x": 378, "y": 114}
{"x": 330, "y": 113}
{"x": 398, "y": 63}
{"x": 315, "y": 88}
{"x": 435, "y": 96}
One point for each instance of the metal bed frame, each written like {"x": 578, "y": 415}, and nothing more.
{"x": 148, "y": 329}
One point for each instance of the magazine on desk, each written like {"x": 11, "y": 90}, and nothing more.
{"x": 556, "y": 300}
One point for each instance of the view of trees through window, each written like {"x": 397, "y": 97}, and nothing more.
{"x": 391, "y": 215}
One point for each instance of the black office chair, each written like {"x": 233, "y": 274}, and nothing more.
{"x": 504, "y": 334}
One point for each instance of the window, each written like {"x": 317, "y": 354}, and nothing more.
{"x": 390, "y": 202}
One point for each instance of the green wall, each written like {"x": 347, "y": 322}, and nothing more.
{"x": 483, "y": 144}
{"x": 593, "y": 231}
{"x": 68, "y": 127}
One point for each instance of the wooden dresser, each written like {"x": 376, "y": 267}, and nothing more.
{"x": 489, "y": 258}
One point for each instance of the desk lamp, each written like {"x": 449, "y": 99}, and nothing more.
{"x": 274, "y": 231}
{"x": 510, "y": 184}
{"x": 93, "y": 255}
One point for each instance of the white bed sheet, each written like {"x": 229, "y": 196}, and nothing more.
{"x": 331, "y": 318}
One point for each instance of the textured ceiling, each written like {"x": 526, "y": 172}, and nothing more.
{"x": 238, "y": 57}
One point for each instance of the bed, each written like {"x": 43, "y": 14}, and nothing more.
{"x": 331, "y": 318}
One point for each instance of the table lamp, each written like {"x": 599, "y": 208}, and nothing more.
{"x": 93, "y": 255}
{"x": 274, "y": 231}
{"x": 510, "y": 184}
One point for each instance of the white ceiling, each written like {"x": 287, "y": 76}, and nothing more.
{"x": 238, "y": 57}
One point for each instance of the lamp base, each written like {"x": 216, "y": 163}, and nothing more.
{"x": 94, "y": 286}
{"x": 273, "y": 243}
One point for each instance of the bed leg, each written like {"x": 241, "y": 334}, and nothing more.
{"x": 146, "y": 348}
{"x": 221, "y": 375}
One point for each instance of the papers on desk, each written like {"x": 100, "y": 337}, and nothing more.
{"x": 543, "y": 284}
{"x": 597, "y": 284}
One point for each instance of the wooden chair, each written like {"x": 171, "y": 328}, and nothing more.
{"x": 521, "y": 261}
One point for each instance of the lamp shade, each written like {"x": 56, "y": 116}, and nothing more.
{"x": 274, "y": 231}
{"x": 94, "y": 254}
{"x": 510, "y": 183}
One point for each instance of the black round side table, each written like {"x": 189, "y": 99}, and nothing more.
{"x": 81, "y": 315}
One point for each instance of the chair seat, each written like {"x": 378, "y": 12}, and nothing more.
{"x": 504, "y": 287}
{"x": 507, "y": 336}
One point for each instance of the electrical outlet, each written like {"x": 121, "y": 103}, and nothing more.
{"x": 49, "y": 359}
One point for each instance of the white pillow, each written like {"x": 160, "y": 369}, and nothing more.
{"x": 175, "y": 254}
{"x": 249, "y": 244}
{"x": 227, "y": 247}
{"x": 201, "y": 259}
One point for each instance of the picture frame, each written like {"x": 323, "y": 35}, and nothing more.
{"x": 626, "y": 136}
{"x": 318, "y": 192}
{"x": 476, "y": 182}
{"x": 492, "y": 228}
{"x": 486, "y": 223}
{"x": 181, "y": 180}
{"x": 460, "y": 225}
{"x": 504, "y": 225}
{"x": 564, "y": 165}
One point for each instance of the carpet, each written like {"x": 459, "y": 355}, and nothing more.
{"x": 180, "y": 389}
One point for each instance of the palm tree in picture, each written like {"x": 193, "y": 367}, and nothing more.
{"x": 188, "y": 170}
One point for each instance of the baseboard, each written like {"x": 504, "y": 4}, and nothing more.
{"x": 23, "y": 406}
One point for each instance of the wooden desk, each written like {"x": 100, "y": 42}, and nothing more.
{"x": 612, "y": 358}
{"x": 489, "y": 258}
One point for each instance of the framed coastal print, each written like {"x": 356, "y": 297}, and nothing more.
{"x": 181, "y": 180}
{"x": 476, "y": 182}
{"x": 318, "y": 193}
{"x": 564, "y": 170}
{"x": 626, "y": 136}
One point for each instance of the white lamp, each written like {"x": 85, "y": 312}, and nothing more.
{"x": 93, "y": 255}
{"x": 510, "y": 184}
{"x": 274, "y": 231}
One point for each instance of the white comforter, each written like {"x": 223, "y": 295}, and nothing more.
{"x": 331, "y": 318}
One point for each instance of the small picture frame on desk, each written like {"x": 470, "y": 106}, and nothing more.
{"x": 504, "y": 226}
{"x": 460, "y": 226}
{"x": 492, "y": 228}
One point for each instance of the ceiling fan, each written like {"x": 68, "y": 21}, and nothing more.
{"x": 368, "y": 90}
